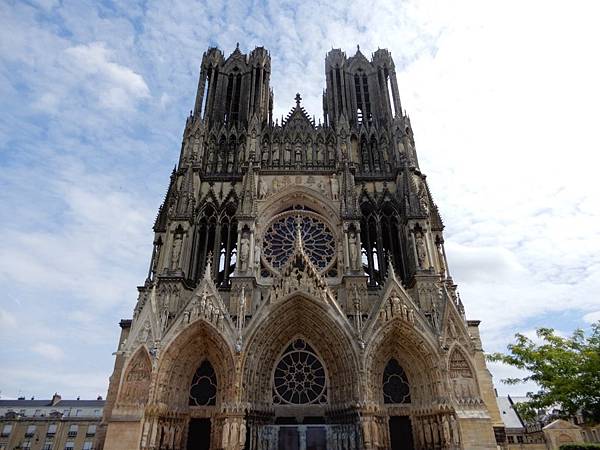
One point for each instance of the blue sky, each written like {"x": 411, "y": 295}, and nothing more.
{"x": 502, "y": 96}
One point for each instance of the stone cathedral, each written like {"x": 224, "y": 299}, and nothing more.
{"x": 298, "y": 295}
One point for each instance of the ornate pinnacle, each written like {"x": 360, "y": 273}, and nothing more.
{"x": 391, "y": 271}
{"x": 208, "y": 268}
{"x": 298, "y": 241}
{"x": 298, "y": 100}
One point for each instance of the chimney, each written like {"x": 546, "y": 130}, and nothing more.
{"x": 99, "y": 397}
{"x": 55, "y": 399}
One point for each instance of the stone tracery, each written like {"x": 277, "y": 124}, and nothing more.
{"x": 299, "y": 377}
{"x": 317, "y": 238}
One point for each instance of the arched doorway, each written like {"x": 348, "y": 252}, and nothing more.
{"x": 195, "y": 377}
{"x": 396, "y": 391}
{"x": 299, "y": 386}
{"x": 203, "y": 398}
{"x": 301, "y": 373}
{"x": 404, "y": 381}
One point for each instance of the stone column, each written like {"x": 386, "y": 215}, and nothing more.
{"x": 302, "y": 437}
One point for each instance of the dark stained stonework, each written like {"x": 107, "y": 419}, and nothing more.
{"x": 278, "y": 233}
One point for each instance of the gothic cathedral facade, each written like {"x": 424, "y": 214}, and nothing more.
{"x": 298, "y": 295}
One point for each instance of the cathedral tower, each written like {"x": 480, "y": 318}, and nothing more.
{"x": 298, "y": 294}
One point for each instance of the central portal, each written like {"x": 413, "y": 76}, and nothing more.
{"x": 302, "y": 437}
{"x": 199, "y": 434}
{"x": 401, "y": 433}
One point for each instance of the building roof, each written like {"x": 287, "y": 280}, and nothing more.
{"x": 48, "y": 403}
{"x": 561, "y": 424}
{"x": 509, "y": 416}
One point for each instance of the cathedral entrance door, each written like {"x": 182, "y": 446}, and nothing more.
{"x": 289, "y": 439}
{"x": 199, "y": 434}
{"x": 302, "y": 437}
{"x": 316, "y": 438}
{"x": 401, "y": 433}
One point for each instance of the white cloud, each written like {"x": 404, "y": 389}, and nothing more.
{"x": 7, "y": 320}
{"x": 592, "y": 317}
{"x": 502, "y": 98}
{"x": 118, "y": 84}
{"x": 49, "y": 351}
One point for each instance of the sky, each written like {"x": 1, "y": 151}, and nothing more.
{"x": 503, "y": 98}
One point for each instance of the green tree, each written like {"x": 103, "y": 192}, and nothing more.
{"x": 567, "y": 371}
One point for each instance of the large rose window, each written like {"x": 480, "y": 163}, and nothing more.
{"x": 299, "y": 377}
{"x": 317, "y": 238}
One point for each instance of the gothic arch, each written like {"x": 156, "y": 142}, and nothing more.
{"x": 135, "y": 387}
{"x": 381, "y": 239}
{"x": 461, "y": 373}
{"x": 300, "y": 195}
{"x": 216, "y": 234}
{"x": 179, "y": 361}
{"x": 411, "y": 349}
{"x": 316, "y": 323}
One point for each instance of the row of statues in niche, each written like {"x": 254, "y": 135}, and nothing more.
{"x": 226, "y": 158}
{"x": 436, "y": 431}
{"x": 423, "y": 261}
{"x": 229, "y": 157}
{"x": 288, "y": 154}
{"x": 374, "y": 157}
{"x": 330, "y": 186}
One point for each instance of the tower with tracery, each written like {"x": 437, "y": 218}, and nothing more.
{"x": 298, "y": 295}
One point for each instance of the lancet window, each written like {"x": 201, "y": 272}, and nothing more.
{"x": 361, "y": 90}
{"x": 216, "y": 235}
{"x": 203, "y": 390}
{"x": 380, "y": 240}
{"x": 395, "y": 383}
{"x": 232, "y": 97}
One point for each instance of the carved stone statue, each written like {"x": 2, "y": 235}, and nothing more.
{"x": 225, "y": 435}
{"x": 263, "y": 189}
{"x": 440, "y": 252}
{"x": 233, "y": 436}
{"x": 164, "y": 319}
{"x": 396, "y": 304}
{"x": 335, "y": 187}
{"x": 353, "y": 250}
{"x": 446, "y": 430}
{"x": 176, "y": 252}
{"x": 242, "y": 436}
{"x": 421, "y": 250}
{"x": 244, "y": 253}
{"x": 265, "y": 155}
{"x": 257, "y": 250}
{"x": 211, "y": 157}
{"x": 144, "y": 332}
{"x": 423, "y": 202}
{"x": 454, "y": 429}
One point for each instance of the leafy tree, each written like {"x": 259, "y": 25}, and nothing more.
{"x": 567, "y": 371}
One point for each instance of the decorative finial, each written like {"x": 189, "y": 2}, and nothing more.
{"x": 298, "y": 240}
{"x": 208, "y": 268}
{"x": 357, "y": 48}
{"x": 237, "y": 45}
{"x": 298, "y": 99}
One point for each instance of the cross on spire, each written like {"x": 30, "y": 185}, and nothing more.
{"x": 298, "y": 99}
